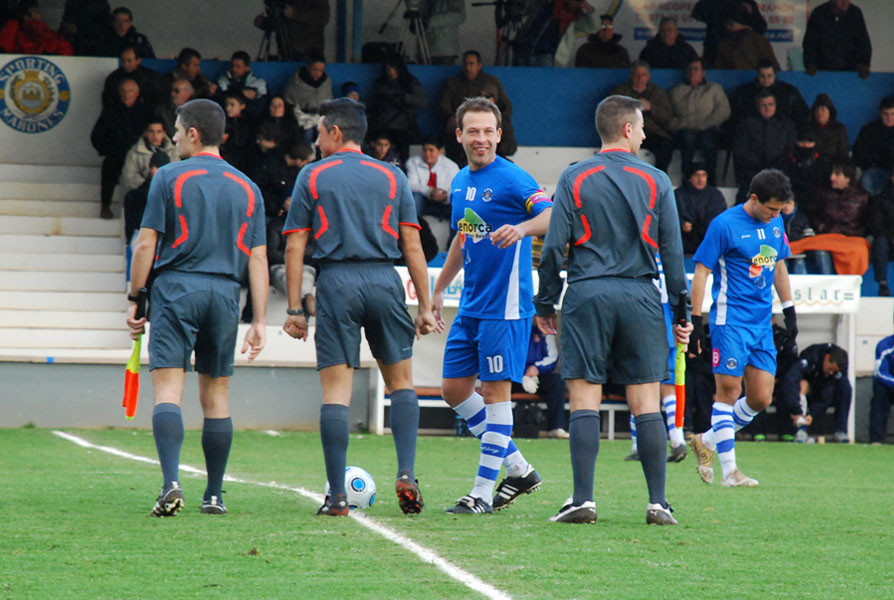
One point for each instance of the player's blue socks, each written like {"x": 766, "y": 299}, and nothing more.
{"x": 472, "y": 411}
{"x": 494, "y": 442}
{"x": 724, "y": 436}
{"x": 652, "y": 441}
{"x": 743, "y": 414}
{"x": 217, "y": 438}
{"x": 334, "y": 435}
{"x": 167, "y": 428}
{"x": 404, "y": 422}
{"x": 674, "y": 434}
{"x": 583, "y": 431}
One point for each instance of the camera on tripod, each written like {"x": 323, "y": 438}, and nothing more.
{"x": 273, "y": 22}
{"x": 506, "y": 12}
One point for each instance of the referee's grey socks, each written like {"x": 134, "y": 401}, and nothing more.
{"x": 217, "y": 438}
{"x": 334, "y": 435}
{"x": 651, "y": 441}
{"x": 167, "y": 428}
{"x": 404, "y": 422}
{"x": 583, "y": 431}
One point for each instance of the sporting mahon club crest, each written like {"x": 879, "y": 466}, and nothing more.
{"x": 34, "y": 94}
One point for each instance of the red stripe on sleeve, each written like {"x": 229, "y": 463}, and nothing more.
{"x": 392, "y": 180}
{"x": 385, "y": 225}
{"x": 316, "y": 173}
{"x": 288, "y": 231}
{"x": 416, "y": 225}
{"x": 247, "y": 188}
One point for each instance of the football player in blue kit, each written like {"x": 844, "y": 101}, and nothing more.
{"x": 744, "y": 248}
{"x": 496, "y": 208}
{"x": 668, "y": 397}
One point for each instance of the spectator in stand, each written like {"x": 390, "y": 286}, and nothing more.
{"x": 282, "y": 115}
{"x": 430, "y": 175}
{"x": 26, "y": 33}
{"x": 266, "y": 166}
{"x": 304, "y": 23}
{"x": 298, "y": 155}
{"x": 542, "y": 379}
{"x": 180, "y": 93}
{"x": 842, "y": 206}
{"x": 700, "y": 108}
{"x": 830, "y": 133}
{"x": 881, "y": 226}
{"x": 882, "y": 391}
{"x": 544, "y": 25}
{"x": 189, "y": 67}
{"x": 472, "y": 81}
{"x": 805, "y": 171}
{"x": 716, "y": 13}
{"x": 697, "y": 205}
{"x": 381, "y": 148}
{"x": 118, "y": 127}
{"x": 762, "y": 141}
{"x": 874, "y": 148}
{"x": 836, "y": 39}
{"x": 797, "y": 227}
{"x": 789, "y": 102}
{"x": 126, "y": 35}
{"x": 239, "y": 78}
{"x": 603, "y": 50}
{"x": 155, "y": 149}
{"x": 657, "y": 112}
{"x": 668, "y": 49}
{"x": 132, "y": 67}
{"x": 87, "y": 24}
{"x": 443, "y": 19}
{"x": 306, "y": 90}
{"x": 238, "y": 131}
{"x": 396, "y": 97}
{"x": 743, "y": 48}
{"x": 351, "y": 89}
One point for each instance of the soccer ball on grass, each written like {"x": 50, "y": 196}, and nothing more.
{"x": 360, "y": 487}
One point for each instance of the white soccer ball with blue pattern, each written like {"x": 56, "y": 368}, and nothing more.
{"x": 360, "y": 487}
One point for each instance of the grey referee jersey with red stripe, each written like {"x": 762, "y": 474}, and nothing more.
{"x": 615, "y": 212}
{"x": 353, "y": 205}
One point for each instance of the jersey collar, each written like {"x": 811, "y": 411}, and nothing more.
{"x": 614, "y": 150}
{"x": 209, "y": 155}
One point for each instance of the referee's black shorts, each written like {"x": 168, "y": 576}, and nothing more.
{"x": 615, "y": 321}
{"x": 367, "y": 295}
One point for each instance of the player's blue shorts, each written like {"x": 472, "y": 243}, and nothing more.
{"x": 495, "y": 349}
{"x": 736, "y": 346}
{"x": 194, "y": 311}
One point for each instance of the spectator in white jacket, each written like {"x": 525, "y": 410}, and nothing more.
{"x": 154, "y": 149}
{"x": 430, "y": 175}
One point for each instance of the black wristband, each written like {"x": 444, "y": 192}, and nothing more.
{"x": 294, "y": 312}
{"x": 141, "y": 293}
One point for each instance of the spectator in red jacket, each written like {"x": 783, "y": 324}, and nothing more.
{"x": 28, "y": 34}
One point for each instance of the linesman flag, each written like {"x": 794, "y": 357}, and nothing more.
{"x": 132, "y": 374}
{"x": 680, "y": 318}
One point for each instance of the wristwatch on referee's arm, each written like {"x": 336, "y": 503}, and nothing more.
{"x": 140, "y": 300}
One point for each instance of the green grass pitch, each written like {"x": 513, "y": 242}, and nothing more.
{"x": 75, "y": 524}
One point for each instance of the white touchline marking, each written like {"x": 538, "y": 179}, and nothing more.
{"x": 423, "y": 553}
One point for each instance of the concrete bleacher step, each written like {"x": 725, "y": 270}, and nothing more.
{"x": 57, "y": 319}
{"x": 114, "y": 263}
{"x": 60, "y": 244}
{"x": 25, "y": 337}
{"x": 75, "y": 226}
{"x": 55, "y": 173}
{"x": 62, "y": 281}
{"x": 63, "y": 301}
{"x": 25, "y": 190}
{"x": 49, "y": 208}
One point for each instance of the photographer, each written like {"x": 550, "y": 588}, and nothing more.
{"x": 298, "y": 24}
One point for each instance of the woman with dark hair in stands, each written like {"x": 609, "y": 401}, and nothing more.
{"x": 392, "y": 106}
{"x": 830, "y": 133}
{"x": 282, "y": 115}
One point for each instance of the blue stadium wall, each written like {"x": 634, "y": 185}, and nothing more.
{"x": 555, "y": 107}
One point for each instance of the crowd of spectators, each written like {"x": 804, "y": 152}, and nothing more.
{"x": 763, "y": 123}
